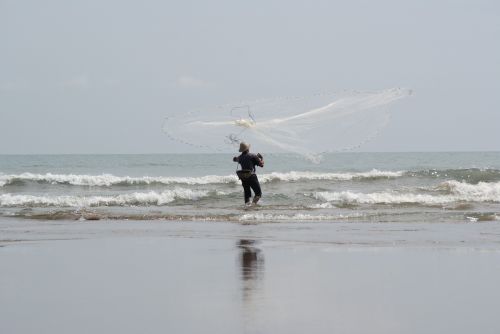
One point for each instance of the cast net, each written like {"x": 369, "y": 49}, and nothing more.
{"x": 308, "y": 126}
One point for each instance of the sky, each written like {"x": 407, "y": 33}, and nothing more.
{"x": 99, "y": 76}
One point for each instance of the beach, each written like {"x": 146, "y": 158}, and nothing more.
{"x": 190, "y": 277}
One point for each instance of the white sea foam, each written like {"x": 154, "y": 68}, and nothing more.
{"x": 477, "y": 217}
{"x": 481, "y": 192}
{"x": 298, "y": 176}
{"x": 382, "y": 198}
{"x": 146, "y": 198}
{"x": 107, "y": 180}
{"x": 294, "y": 217}
{"x": 458, "y": 192}
{"x": 326, "y": 205}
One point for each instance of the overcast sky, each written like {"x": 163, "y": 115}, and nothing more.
{"x": 98, "y": 76}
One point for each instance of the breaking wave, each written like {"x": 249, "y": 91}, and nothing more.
{"x": 471, "y": 176}
{"x": 108, "y": 180}
{"x": 138, "y": 199}
{"x": 299, "y": 176}
{"x": 480, "y": 192}
{"x": 454, "y": 192}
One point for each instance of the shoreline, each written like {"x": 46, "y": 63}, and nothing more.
{"x": 461, "y": 235}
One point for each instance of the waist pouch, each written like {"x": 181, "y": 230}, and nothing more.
{"x": 244, "y": 174}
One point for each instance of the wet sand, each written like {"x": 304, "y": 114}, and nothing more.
{"x": 208, "y": 277}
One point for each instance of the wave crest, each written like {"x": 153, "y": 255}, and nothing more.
{"x": 482, "y": 191}
{"x": 108, "y": 180}
{"x": 346, "y": 176}
{"x": 139, "y": 199}
{"x": 455, "y": 192}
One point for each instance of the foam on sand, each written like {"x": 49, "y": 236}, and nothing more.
{"x": 294, "y": 217}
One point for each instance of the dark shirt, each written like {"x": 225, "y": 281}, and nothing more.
{"x": 248, "y": 161}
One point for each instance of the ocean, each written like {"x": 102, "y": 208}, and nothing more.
{"x": 344, "y": 187}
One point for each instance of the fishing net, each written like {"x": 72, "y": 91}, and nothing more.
{"x": 309, "y": 126}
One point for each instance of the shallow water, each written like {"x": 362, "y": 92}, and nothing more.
{"x": 366, "y": 187}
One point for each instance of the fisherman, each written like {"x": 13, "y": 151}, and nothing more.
{"x": 247, "y": 175}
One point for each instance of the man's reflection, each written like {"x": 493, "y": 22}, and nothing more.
{"x": 252, "y": 268}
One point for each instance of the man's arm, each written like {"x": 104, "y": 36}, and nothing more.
{"x": 235, "y": 159}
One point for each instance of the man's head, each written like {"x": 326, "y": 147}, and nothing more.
{"x": 244, "y": 147}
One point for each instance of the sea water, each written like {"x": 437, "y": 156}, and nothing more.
{"x": 344, "y": 187}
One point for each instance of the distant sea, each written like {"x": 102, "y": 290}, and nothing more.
{"x": 360, "y": 187}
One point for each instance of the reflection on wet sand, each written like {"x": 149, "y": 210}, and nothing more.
{"x": 251, "y": 262}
